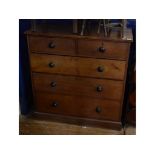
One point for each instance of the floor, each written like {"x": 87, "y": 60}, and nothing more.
{"x": 29, "y": 126}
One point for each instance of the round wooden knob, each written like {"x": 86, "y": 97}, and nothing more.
{"x": 100, "y": 69}
{"x": 51, "y": 64}
{"x": 98, "y": 109}
{"x": 55, "y": 104}
{"x": 53, "y": 84}
{"x": 99, "y": 88}
{"x": 102, "y": 49}
{"x": 51, "y": 45}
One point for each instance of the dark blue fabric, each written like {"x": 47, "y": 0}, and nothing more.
{"x": 25, "y": 95}
{"x": 25, "y": 91}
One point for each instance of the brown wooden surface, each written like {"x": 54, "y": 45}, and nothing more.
{"x": 85, "y": 47}
{"x": 34, "y": 126}
{"x": 78, "y": 86}
{"x": 78, "y": 106}
{"x": 62, "y": 45}
{"x": 78, "y": 66}
{"x": 77, "y": 120}
{"x": 113, "y": 50}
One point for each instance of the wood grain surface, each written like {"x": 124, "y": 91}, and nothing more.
{"x": 31, "y": 126}
{"x": 87, "y": 67}
{"x": 60, "y": 45}
{"x": 112, "y": 50}
{"x": 77, "y": 106}
{"x": 72, "y": 85}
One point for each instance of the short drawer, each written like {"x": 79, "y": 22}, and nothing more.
{"x": 78, "y": 106}
{"x": 89, "y": 67}
{"x": 99, "y": 88}
{"x": 62, "y": 46}
{"x": 105, "y": 49}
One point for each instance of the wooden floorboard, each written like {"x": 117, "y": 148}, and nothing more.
{"x": 29, "y": 126}
{"x": 130, "y": 130}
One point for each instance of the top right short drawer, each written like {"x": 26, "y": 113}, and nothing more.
{"x": 103, "y": 49}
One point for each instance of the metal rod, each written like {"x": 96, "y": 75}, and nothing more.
{"x": 83, "y": 26}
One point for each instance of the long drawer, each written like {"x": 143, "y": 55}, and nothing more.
{"x": 78, "y": 106}
{"x": 89, "y": 67}
{"x": 99, "y": 88}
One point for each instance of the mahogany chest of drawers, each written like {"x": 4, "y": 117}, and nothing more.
{"x": 78, "y": 79}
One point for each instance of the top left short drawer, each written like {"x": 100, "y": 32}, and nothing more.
{"x": 52, "y": 45}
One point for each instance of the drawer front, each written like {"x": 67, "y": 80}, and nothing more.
{"x": 78, "y": 106}
{"x": 71, "y": 85}
{"x": 52, "y": 45}
{"x": 105, "y": 49}
{"x": 89, "y": 67}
